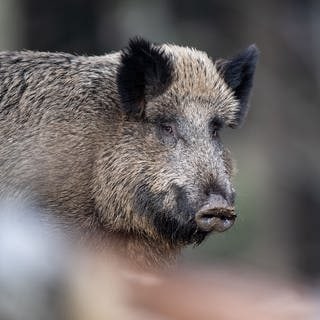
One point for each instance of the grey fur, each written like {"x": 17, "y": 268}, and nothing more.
{"x": 67, "y": 146}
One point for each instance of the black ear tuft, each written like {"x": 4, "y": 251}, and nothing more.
{"x": 238, "y": 74}
{"x": 144, "y": 69}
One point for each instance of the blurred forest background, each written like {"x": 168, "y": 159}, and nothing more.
{"x": 277, "y": 150}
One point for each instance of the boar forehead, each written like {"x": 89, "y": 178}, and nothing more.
{"x": 197, "y": 92}
{"x": 195, "y": 111}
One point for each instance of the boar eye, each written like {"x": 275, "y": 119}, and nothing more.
{"x": 168, "y": 133}
{"x": 215, "y": 132}
{"x": 215, "y": 126}
{"x": 167, "y": 128}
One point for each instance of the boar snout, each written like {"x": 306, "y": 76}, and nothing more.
{"x": 215, "y": 215}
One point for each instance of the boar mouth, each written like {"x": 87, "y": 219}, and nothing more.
{"x": 215, "y": 219}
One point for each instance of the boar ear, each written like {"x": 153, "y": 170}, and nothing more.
{"x": 238, "y": 74}
{"x": 144, "y": 69}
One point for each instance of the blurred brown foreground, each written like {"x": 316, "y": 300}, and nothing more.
{"x": 43, "y": 277}
{"x": 101, "y": 292}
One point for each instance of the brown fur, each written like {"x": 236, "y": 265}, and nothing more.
{"x": 67, "y": 146}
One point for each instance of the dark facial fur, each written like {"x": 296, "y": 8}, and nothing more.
{"x": 126, "y": 143}
{"x": 176, "y": 224}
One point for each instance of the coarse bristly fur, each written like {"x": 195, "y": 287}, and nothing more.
{"x": 126, "y": 145}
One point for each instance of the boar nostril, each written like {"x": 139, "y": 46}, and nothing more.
{"x": 217, "y": 219}
{"x": 216, "y": 215}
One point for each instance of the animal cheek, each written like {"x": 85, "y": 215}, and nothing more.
{"x": 229, "y": 163}
{"x": 184, "y": 207}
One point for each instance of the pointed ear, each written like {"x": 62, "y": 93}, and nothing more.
{"x": 144, "y": 69}
{"x": 238, "y": 74}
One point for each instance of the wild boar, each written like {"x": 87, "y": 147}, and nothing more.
{"x": 125, "y": 145}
